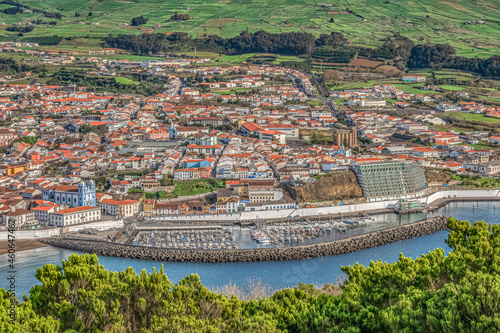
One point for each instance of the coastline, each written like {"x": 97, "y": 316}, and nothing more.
{"x": 21, "y": 245}
{"x": 341, "y": 246}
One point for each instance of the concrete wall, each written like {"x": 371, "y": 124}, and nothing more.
{"x": 46, "y": 233}
{"x": 30, "y": 234}
{"x": 461, "y": 194}
{"x": 97, "y": 225}
{"x": 284, "y": 213}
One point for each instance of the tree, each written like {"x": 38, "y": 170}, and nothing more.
{"x": 458, "y": 292}
{"x": 139, "y": 20}
{"x": 179, "y": 17}
{"x": 314, "y": 138}
{"x": 29, "y": 139}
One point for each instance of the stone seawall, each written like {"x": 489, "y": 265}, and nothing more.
{"x": 341, "y": 246}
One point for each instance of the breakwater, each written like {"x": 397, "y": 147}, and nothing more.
{"x": 341, "y": 246}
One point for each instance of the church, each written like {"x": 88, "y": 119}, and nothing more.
{"x": 73, "y": 196}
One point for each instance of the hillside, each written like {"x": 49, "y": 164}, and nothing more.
{"x": 436, "y": 177}
{"x": 335, "y": 187}
{"x": 363, "y": 22}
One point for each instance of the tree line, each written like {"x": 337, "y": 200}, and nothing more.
{"x": 9, "y": 65}
{"x": 293, "y": 43}
{"x": 149, "y": 85}
{"x": 444, "y": 56}
{"x": 328, "y": 47}
{"x": 458, "y": 292}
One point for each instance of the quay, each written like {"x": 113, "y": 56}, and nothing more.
{"x": 341, "y": 246}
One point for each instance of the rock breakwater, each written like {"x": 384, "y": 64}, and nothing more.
{"x": 341, "y": 246}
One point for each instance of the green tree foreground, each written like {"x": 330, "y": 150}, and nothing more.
{"x": 433, "y": 293}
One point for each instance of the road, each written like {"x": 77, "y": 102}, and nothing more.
{"x": 325, "y": 96}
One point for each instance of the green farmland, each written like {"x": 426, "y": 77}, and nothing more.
{"x": 364, "y": 22}
{"x": 472, "y": 117}
{"x": 124, "y": 80}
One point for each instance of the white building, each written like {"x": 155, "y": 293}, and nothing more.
{"x": 367, "y": 102}
{"x": 413, "y": 78}
{"x": 291, "y": 131}
{"x": 122, "y": 208}
{"x": 76, "y": 215}
{"x": 275, "y": 194}
{"x": 20, "y": 217}
{"x": 42, "y": 213}
{"x": 271, "y": 135}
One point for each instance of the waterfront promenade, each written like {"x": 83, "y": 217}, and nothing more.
{"x": 433, "y": 200}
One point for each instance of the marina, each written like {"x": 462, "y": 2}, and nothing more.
{"x": 288, "y": 233}
{"x": 260, "y": 234}
{"x": 275, "y": 274}
{"x": 214, "y": 238}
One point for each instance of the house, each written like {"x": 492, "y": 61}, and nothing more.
{"x": 20, "y": 217}
{"x": 42, "y": 212}
{"x": 7, "y": 137}
{"x": 413, "y": 78}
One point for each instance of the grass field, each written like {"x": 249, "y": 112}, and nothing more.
{"x": 197, "y": 186}
{"x": 472, "y": 117}
{"x": 124, "y": 80}
{"x": 367, "y": 22}
{"x": 453, "y": 88}
{"x": 477, "y": 182}
{"x": 475, "y": 146}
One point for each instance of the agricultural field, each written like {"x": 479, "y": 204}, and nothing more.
{"x": 124, "y": 80}
{"x": 452, "y": 88}
{"x": 364, "y": 22}
{"x": 472, "y": 117}
{"x": 460, "y": 77}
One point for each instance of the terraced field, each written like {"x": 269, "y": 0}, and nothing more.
{"x": 363, "y": 21}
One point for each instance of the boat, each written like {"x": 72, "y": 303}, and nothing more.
{"x": 264, "y": 240}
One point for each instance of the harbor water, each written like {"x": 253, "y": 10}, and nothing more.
{"x": 274, "y": 274}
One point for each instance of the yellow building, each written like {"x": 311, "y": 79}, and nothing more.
{"x": 13, "y": 169}
{"x": 242, "y": 190}
{"x": 148, "y": 207}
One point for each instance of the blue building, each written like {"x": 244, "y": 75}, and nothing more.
{"x": 199, "y": 163}
{"x": 73, "y": 196}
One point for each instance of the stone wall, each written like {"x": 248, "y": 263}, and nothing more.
{"x": 347, "y": 245}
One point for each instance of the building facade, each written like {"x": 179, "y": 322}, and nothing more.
{"x": 343, "y": 135}
{"x": 124, "y": 208}
{"x": 76, "y": 215}
{"x": 73, "y": 196}
{"x": 21, "y": 217}
{"x": 391, "y": 180}
{"x": 7, "y": 137}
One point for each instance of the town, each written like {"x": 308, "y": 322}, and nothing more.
{"x": 249, "y": 166}
{"x": 224, "y": 139}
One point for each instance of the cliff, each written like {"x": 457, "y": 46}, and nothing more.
{"x": 436, "y": 177}
{"x": 336, "y": 187}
